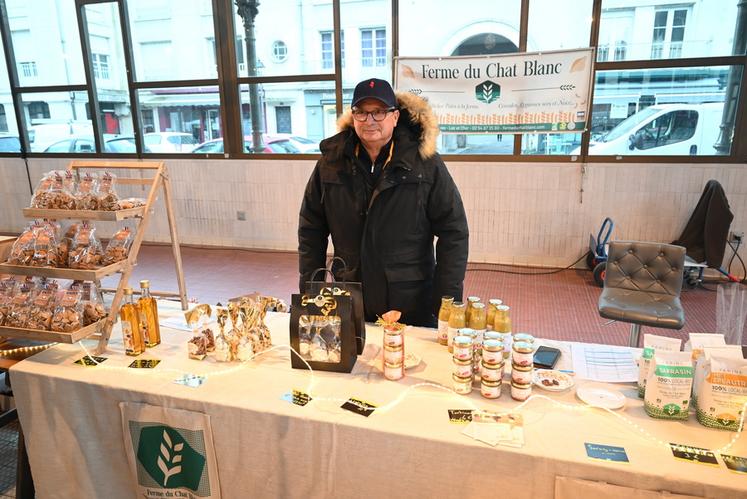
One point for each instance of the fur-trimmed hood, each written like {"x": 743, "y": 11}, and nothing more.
{"x": 415, "y": 114}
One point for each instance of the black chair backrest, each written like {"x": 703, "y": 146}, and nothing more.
{"x": 645, "y": 266}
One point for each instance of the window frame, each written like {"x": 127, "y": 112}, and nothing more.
{"x": 228, "y": 81}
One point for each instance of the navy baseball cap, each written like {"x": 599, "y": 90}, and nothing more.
{"x": 374, "y": 89}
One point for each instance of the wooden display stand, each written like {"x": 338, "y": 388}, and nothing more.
{"x": 102, "y": 329}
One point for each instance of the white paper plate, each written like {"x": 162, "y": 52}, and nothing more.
{"x": 551, "y": 380}
{"x": 599, "y": 397}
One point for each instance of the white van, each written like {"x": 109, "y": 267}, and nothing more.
{"x": 663, "y": 129}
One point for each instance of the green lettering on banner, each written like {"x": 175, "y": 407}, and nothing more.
{"x": 171, "y": 457}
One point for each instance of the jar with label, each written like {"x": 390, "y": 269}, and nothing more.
{"x": 395, "y": 371}
{"x": 522, "y": 354}
{"x": 394, "y": 355}
{"x": 478, "y": 320}
{"x": 457, "y": 321}
{"x": 520, "y": 391}
{"x": 393, "y": 338}
{"x": 521, "y": 374}
{"x": 462, "y": 347}
{"x": 463, "y": 368}
{"x": 502, "y": 324}
{"x": 491, "y": 389}
{"x": 492, "y": 303}
{"x": 492, "y": 335}
{"x": 462, "y": 386}
{"x": 491, "y": 372}
{"x": 492, "y": 351}
{"x": 471, "y": 300}
{"x": 443, "y": 319}
{"x": 129, "y": 316}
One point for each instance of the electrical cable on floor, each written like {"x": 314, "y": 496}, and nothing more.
{"x": 526, "y": 273}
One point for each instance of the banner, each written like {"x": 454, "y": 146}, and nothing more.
{"x": 170, "y": 452}
{"x": 517, "y": 93}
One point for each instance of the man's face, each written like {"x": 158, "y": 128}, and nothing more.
{"x": 373, "y": 132}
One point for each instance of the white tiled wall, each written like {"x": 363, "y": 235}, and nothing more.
{"x": 523, "y": 213}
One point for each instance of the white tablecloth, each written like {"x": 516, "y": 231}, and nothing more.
{"x": 267, "y": 447}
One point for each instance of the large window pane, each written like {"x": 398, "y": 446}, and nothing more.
{"x": 172, "y": 39}
{"x": 58, "y": 122}
{"x": 662, "y": 29}
{"x": 9, "y": 141}
{"x": 672, "y": 111}
{"x": 290, "y": 37}
{"x": 291, "y": 117}
{"x": 470, "y": 27}
{"x": 367, "y": 26}
{"x": 46, "y": 42}
{"x": 107, "y": 55}
{"x": 178, "y": 120}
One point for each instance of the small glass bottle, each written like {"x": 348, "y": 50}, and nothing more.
{"x": 471, "y": 300}
{"x": 492, "y": 303}
{"x": 443, "y": 319}
{"x": 457, "y": 321}
{"x": 130, "y": 321}
{"x": 502, "y": 324}
{"x": 149, "y": 315}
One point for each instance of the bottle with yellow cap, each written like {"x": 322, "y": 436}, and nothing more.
{"x": 130, "y": 320}
{"x": 149, "y": 315}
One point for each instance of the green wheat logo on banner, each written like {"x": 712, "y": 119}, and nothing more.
{"x": 173, "y": 458}
{"x": 487, "y": 91}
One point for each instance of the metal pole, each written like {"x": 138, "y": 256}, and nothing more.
{"x": 731, "y": 95}
{"x": 248, "y": 10}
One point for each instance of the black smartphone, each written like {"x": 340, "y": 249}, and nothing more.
{"x": 546, "y": 357}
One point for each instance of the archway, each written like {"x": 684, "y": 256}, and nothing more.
{"x": 484, "y": 44}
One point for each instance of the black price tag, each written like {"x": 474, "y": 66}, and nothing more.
{"x": 144, "y": 363}
{"x": 90, "y": 360}
{"x": 606, "y": 453}
{"x": 359, "y": 407}
{"x": 297, "y": 397}
{"x": 694, "y": 454}
{"x": 460, "y": 416}
{"x": 737, "y": 464}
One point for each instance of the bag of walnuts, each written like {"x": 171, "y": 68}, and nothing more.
{"x": 42, "y": 308}
{"x": 41, "y": 197}
{"x": 63, "y": 246}
{"x": 85, "y": 249}
{"x": 107, "y": 196}
{"x": 93, "y": 307}
{"x": 45, "y": 247}
{"x": 20, "y": 306}
{"x": 22, "y": 251}
{"x": 68, "y": 315}
{"x": 86, "y": 196}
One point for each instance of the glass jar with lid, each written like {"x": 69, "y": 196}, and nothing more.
{"x": 457, "y": 321}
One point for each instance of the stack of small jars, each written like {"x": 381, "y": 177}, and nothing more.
{"x": 463, "y": 354}
{"x": 394, "y": 351}
{"x": 522, "y": 366}
{"x": 491, "y": 372}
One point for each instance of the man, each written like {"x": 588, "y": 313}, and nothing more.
{"x": 382, "y": 192}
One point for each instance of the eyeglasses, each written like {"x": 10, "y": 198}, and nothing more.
{"x": 378, "y": 115}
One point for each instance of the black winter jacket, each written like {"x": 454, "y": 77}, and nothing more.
{"x": 385, "y": 233}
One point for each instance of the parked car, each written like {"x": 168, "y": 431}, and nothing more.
{"x": 167, "y": 142}
{"x": 303, "y": 144}
{"x": 115, "y": 144}
{"x": 272, "y": 144}
{"x": 42, "y": 135}
{"x": 9, "y": 143}
{"x": 671, "y": 129}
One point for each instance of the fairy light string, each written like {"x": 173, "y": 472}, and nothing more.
{"x": 636, "y": 428}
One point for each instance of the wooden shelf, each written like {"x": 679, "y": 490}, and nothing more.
{"x": 40, "y": 335}
{"x": 111, "y": 216}
{"x": 55, "y": 273}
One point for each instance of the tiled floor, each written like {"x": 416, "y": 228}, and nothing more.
{"x": 561, "y": 305}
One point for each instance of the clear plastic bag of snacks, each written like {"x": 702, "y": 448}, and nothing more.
{"x": 108, "y": 199}
{"x": 45, "y": 247}
{"x": 85, "y": 250}
{"x": 86, "y": 197}
{"x": 126, "y": 204}
{"x": 40, "y": 199}
{"x": 68, "y": 314}
{"x": 59, "y": 196}
{"x": 63, "y": 244}
{"x": 42, "y": 308}
{"x": 20, "y": 306}
{"x": 22, "y": 251}
{"x": 202, "y": 336}
{"x": 119, "y": 246}
{"x": 7, "y": 290}
{"x": 93, "y": 307}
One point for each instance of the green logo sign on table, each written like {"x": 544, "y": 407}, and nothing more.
{"x": 170, "y": 451}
